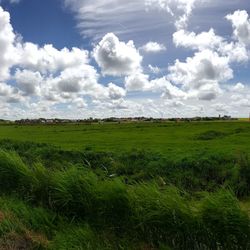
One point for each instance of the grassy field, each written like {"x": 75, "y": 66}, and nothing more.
{"x": 136, "y": 186}
{"x": 167, "y": 138}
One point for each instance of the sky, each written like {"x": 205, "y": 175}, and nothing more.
{"x": 124, "y": 58}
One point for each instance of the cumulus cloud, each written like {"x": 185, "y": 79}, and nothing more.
{"x": 201, "y": 74}
{"x": 209, "y": 91}
{"x": 241, "y": 24}
{"x": 117, "y": 58}
{"x": 7, "y": 45}
{"x": 236, "y": 52}
{"x": 28, "y": 81}
{"x": 137, "y": 82}
{"x": 204, "y": 40}
{"x": 80, "y": 103}
{"x": 141, "y": 82}
{"x": 48, "y": 59}
{"x": 169, "y": 91}
{"x": 153, "y": 47}
{"x": 239, "y": 87}
{"x": 9, "y": 94}
{"x": 54, "y": 75}
{"x": 116, "y": 92}
{"x": 6, "y": 90}
{"x": 203, "y": 66}
{"x": 244, "y": 103}
{"x": 74, "y": 80}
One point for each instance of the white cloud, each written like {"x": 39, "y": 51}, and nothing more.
{"x": 123, "y": 18}
{"x": 154, "y": 69}
{"x": 239, "y": 87}
{"x": 28, "y": 81}
{"x": 73, "y": 80}
{"x": 9, "y": 94}
{"x": 80, "y": 103}
{"x": 6, "y": 90}
{"x": 205, "y": 66}
{"x": 52, "y": 75}
{"x": 204, "y": 40}
{"x": 180, "y": 9}
{"x": 243, "y": 103}
{"x": 116, "y": 92}
{"x": 209, "y": 91}
{"x": 241, "y": 24}
{"x": 169, "y": 91}
{"x": 7, "y": 48}
{"x": 137, "y": 82}
{"x": 236, "y": 52}
{"x": 201, "y": 74}
{"x": 141, "y": 82}
{"x": 117, "y": 58}
{"x": 48, "y": 59}
{"x": 153, "y": 47}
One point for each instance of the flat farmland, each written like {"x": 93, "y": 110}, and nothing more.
{"x": 166, "y": 138}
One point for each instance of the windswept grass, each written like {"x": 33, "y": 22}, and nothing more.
{"x": 78, "y": 207}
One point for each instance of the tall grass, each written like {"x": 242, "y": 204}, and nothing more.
{"x": 159, "y": 215}
{"x": 226, "y": 225}
{"x": 14, "y": 174}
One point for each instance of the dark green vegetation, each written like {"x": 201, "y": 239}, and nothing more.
{"x": 186, "y": 186}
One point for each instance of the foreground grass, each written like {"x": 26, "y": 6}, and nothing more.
{"x": 80, "y": 207}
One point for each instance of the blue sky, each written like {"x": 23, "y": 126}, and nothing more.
{"x": 160, "y": 58}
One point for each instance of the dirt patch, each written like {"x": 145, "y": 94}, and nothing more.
{"x": 2, "y": 216}
{"x": 13, "y": 241}
{"x": 28, "y": 241}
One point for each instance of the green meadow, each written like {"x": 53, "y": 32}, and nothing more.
{"x": 167, "y": 138}
{"x": 142, "y": 186}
